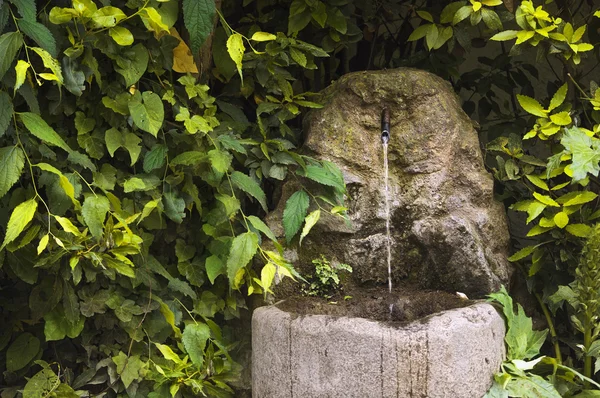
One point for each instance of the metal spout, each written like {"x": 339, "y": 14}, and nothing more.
{"x": 385, "y": 126}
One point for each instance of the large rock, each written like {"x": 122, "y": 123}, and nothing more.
{"x": 447, "y": 231}
{"x": 451, "y": 354}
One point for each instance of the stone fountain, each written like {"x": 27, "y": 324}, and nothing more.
{"x": 447, "y": 233}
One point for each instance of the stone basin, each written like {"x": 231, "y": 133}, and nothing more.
{"x": 451, "y": 354}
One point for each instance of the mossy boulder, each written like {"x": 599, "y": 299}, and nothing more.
{"x": 447, "y": 231}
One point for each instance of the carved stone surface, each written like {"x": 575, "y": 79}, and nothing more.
{"x": 448, "y": 233}
{"x": 452, "y": 354}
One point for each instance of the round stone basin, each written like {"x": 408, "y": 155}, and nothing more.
{"x": 451, "y": 354}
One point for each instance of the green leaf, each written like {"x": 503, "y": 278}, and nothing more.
{"x": 262, "y": 227}
{"x": 561, "y": 219}
{"x": 585, "y": 157}
{"x": 538, "y": 182}
{"x": 419, "y": 32}
{"x": 263, "y": 36}
{"x": 155, "y": 158}
{"x": 6, "y": 112}
{"x": 22, "y": 351}
{"x": 505, "y": 35}
{"x": 559, "y": 97}
{"x": 10, "y": 43}
{"x": 310, "y": 222}
{"x": 50, "y": 63}
{"x": 462, "y": 14}
{"x": 40, "y": 34}
{"x": 194, "y": 341}
{"x": 251, "y": 187}
{"x": 27, "y": 9}
{"x": 243, "y": 248}
{"x": 214, "y": 267}
{"x": 219, "y": 160}
{"x": 323, "y": 176}
{"x": 122, "y": 36}
{"x": 174, "y": 206}
{"x": 133, "y": 64}
{"x": 491, "y": 19}
{"x": 545, "y": 199}
{"x": 129, "y": 368}
{"x": 147, "y": 111}
{"x": 182, "y": 287}
{"x": 579, "y": 230}
{"x": 531, "y": 105}
{"x": 12, "y": 161}
{"x": 198, "y": 16}
{"x": 236, "y": 49}
{"x": 521, "y": 254}
{"x": 20, "y": 217}
{"x": 39, "y": 128}
{"x": 168, "y": 353}
{"x": 294, "y": 213}
{"x": 42, "y": 384}
{"x": 188, "y": 158}
{"x": 561, "y": 118}
{"x": 94, "y": 212}
{"x": 577, "y": 198}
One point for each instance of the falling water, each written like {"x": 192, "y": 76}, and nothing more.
{"x": 385, "y": 138}
{"x": 387, "y": 216}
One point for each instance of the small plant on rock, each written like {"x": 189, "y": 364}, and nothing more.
{"x": 325, "y": 282}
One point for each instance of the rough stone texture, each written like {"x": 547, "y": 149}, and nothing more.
{"x": 448, "y": 232}
{"x": 452, "y": 354}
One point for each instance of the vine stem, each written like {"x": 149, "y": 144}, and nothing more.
{"x": 553, "y": 334}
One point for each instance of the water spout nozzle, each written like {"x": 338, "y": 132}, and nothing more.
{"x": 385, "y": 126}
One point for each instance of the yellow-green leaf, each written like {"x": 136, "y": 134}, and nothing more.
{"x": 43, "y": 244}
{"x": 537, "y": 230}
{"x": 263, "y": 36}
{"x": 559, "y": 97}
{"x": 309, "y": 222}
{"x": 236, "y": 49}
{"x": 168, "y": 353}
{"x": 267, "y": 274}
{"x": 538, "y": 182}
{"x": 545, "y": 199}
{"x": 534, "y": 210}
{"x": 531, "y": 105}
{"x": 561, "y": 118}
{"x": 521, "y": 254}
{"x": 20, "y": 217}
{"x": 580, "y": 230}
{"x": 561, "y": 219}
{"x": 67, "y": 225}
{"x": 21, "y": 70}
{"x": 122, "y": 36}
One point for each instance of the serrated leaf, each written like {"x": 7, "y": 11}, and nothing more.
{"x": 294, "y": 213}
{"x": 168, "y": 353}
{"x": 236, "y": 49}
{"x": 22, "y": 351}
{"x": 521, "y": 254}
{"x": 262, "y": 227}
{"x": 530, "y": 105}
{"x": 579, "y": 230}
{"x": 27, "y": 9}
{"x": 219, "y": 160}
{"x": 309, "y": 222}
{"x": 188, "y": 158}
{"x": 538, "y": 182}
{"x": 561, "y": 118}
{"x": 40, "y": 34}
{"x": 243, "y": 248}
{"x": 20, "y": 217}
{"x": 194, "y": 341}
{"x": 94, "y": 213}
{"x": 251, "y": 187}
{"x": 10, "y": 43}
{"x": 12, "y": 161}
{"x": 323, "y": 176}
{"x": 67, "y": 225}
{"x": 39, "y": 128}
{"x": 128, "y": 368}
{"x": 198, "y": 16}
{"x": 559, "y": 97}
{"x": 6, "y": 112}
{"x": 545, "y": 199}
{"x": 147, "y": 111}
{"x": 51, "y": 63}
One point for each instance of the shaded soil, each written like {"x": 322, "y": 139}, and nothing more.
{"x": 408, "y": 304}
